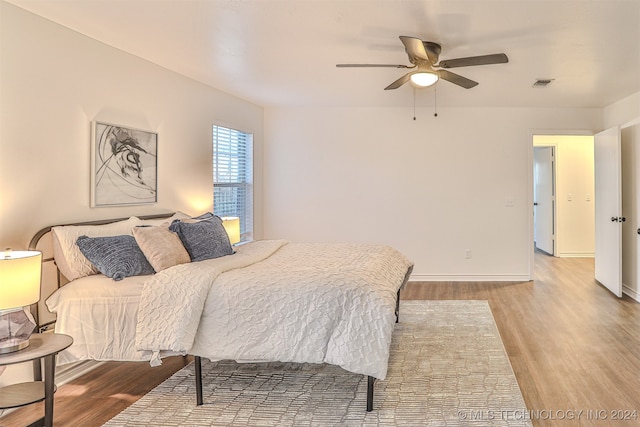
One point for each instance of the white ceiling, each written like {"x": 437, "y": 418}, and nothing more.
{"x": 283, "y": 52}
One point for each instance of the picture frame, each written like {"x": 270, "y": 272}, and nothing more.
{"x": 124, "y": 165}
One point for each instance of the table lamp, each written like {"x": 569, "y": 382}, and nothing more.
{"x": 232, "y": 226}
{"x": 19, "y": 288}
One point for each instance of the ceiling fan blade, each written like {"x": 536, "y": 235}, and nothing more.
{"x": 456, "y": 79}
{"x": 402, "y": 80}
{"x": 497, "y": 58}
{"x": 372, "y": 65}
{"x": 415, "y": 49}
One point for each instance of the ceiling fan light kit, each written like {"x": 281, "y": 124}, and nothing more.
{"x": 425, "y": 56}
{"x": 424, "y": 79}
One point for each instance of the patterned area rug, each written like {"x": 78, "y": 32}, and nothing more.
{"x": 448, "y": 367}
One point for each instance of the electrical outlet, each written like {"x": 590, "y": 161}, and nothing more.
{"x": 467, "y": 254}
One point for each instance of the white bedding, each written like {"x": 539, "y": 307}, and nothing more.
{"x": 100, "y": 314}
{"x": 316, "y": 303}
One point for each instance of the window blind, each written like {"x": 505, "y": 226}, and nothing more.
{"x": 233, "y": 177}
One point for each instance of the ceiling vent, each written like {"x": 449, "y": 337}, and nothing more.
{"x": 542, "y": 82}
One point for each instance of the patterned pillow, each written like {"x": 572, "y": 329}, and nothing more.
{"x": 204, "y": 239}
{"x": 115, "y": 256}
{"x": 69, "y": 259}
{"x": 161, "y": 246}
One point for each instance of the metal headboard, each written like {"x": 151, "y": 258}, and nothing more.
{"x": 52, "y": 279}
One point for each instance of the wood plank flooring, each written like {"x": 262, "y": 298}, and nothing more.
{"x": 574, "y": 348}
{"x": 572, "y": 345}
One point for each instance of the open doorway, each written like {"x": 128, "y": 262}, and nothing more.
{"x": 563, "y": 195}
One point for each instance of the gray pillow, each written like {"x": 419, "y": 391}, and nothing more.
{"x": 204, "y": 239}
{"x": 115, "y": 256}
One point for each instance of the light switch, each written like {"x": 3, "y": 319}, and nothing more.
{"x": 588, "y": 197}
{"x": 569, "y": 197}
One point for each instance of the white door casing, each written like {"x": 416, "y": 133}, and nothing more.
{"x": 608, "y": 210}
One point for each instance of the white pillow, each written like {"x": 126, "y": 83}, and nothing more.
{"x": 71, "y": 262}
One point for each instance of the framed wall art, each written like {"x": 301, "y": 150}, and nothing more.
{"x": 124, "y": 166}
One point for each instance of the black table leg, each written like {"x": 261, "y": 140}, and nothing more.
{"x": 49, "y": 388}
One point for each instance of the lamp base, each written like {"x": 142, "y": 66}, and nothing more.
{"x": 12, "y": 345}
{"x": 16, "y": 326}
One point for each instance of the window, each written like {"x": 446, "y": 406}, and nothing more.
{"x": 233, "y": 177}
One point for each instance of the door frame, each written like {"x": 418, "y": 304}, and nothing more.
{"x": 530, "y": 195}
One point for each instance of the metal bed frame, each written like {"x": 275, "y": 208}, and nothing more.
{"x": 370, "y": 380}
{"x": 33, "y": 245}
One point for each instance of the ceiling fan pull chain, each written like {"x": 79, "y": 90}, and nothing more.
{"x": 435, "y": 101}
{"x": 414, "y": 103}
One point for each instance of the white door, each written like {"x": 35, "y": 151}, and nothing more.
{"x": 544, "y": 201}
{"x": 608, "y": 210}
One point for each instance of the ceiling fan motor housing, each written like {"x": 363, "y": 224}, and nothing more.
{"x": 433, "y": 48}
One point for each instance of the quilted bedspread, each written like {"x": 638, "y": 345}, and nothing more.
{"x": 278, "y": 301}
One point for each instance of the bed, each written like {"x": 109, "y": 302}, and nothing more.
{"x": 269, "y": 300}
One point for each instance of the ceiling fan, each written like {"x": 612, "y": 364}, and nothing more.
{"x": 426, "y": 70}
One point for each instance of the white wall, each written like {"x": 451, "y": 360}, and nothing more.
{"x": 433, "y": 187}
{"x": 622, "y": 112}
{"x": 575, "y": 231}
{"x": 53, "y": 83}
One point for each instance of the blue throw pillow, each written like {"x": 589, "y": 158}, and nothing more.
{"x": 204, "y": 239}
{"x": 116, "y": 256}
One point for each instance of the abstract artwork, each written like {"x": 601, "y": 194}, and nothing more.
{"x": 124, "y": 166}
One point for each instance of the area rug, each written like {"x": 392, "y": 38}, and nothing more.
{"x": 448, "y": 367}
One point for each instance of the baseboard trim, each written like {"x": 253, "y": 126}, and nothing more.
{"x": 469, "y": 278}
{"x": 576, "y": 255}
{"x": 71, "y": 371}
{"x": 631, "y": 293}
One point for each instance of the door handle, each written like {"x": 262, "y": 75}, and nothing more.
{"x": 614, "y": 219}
{"x": 618, "y": 218}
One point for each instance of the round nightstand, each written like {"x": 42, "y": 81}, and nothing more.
{"x": 41, "y": 347}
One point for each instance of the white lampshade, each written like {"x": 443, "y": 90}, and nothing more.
{"x": 232, "y": 226}
{"x": 424, "y": 79}
{"x": 19, "y": 287}
{"x": 19, "y": 278}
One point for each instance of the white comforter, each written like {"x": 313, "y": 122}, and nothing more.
{"x": 275, "y": 301}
